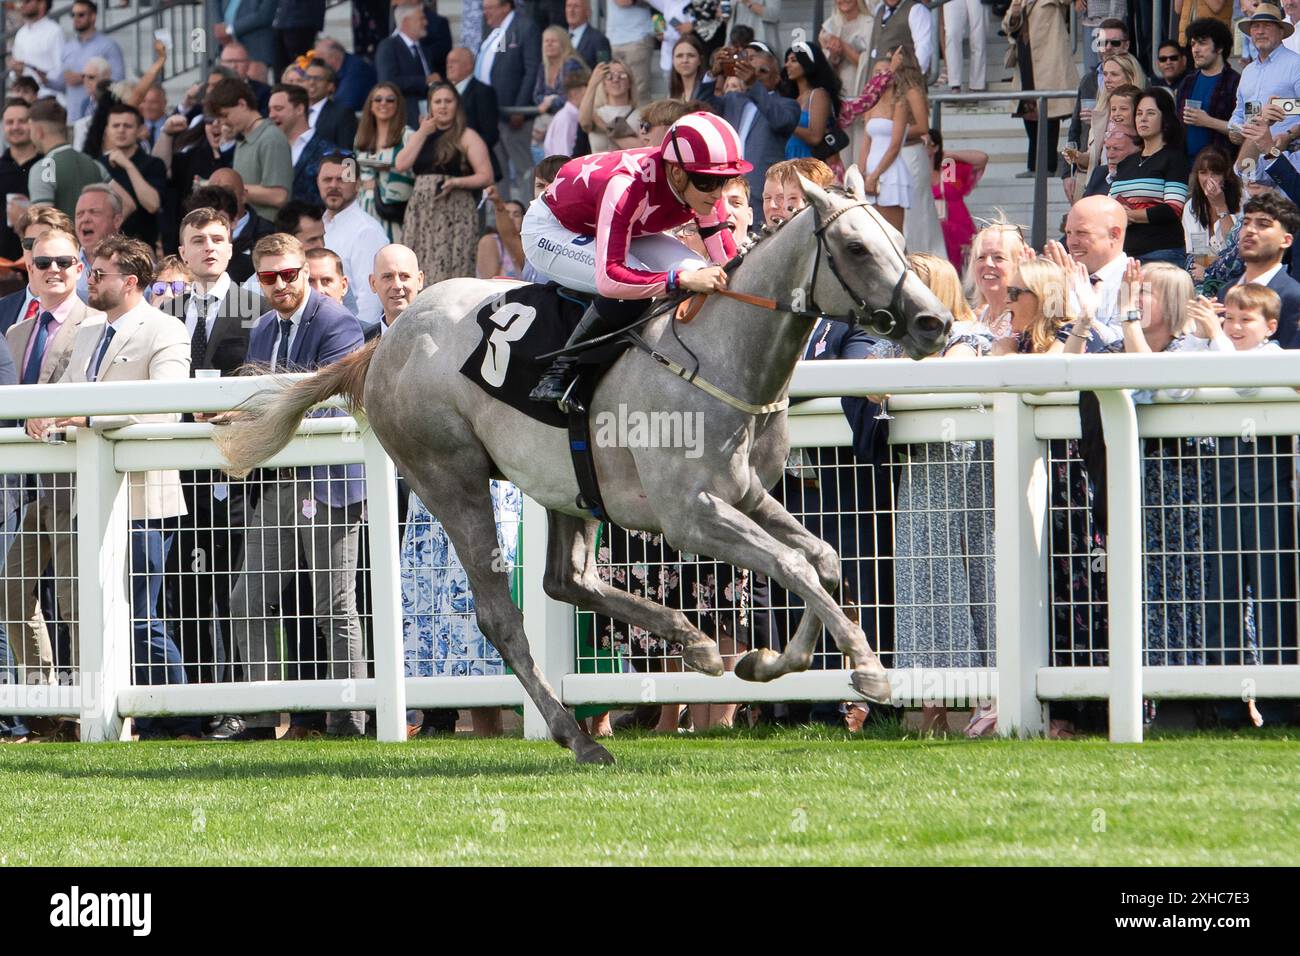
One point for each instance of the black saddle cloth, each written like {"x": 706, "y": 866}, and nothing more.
{"x": 520, "y": 324}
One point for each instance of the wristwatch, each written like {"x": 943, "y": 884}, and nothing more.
{"x": 1273, "y": 153}
{"x": 1132, "y": 315}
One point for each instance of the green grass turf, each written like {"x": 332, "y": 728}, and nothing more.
{"x": 788, "y": 797}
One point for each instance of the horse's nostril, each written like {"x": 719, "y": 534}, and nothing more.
{"x": 929, "y": 325}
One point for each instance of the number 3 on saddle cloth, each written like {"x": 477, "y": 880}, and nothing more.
{"x": 521, "y": 324}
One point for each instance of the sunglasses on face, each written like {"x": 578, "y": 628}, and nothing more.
{"x": 175, "y": 287}
{"x": 1170, "y": 59}
{"x": 98, "y": 275}
{"x": 706, "y": 182}
{"x": 62, "y": 262}
{"x": 286, "y": 275}
{"x": 1014, "y": 292}
{"x": 384, "y": 99}
{"x": 1114, "y": 43}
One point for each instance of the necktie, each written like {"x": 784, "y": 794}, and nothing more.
{"x": 419, "y": 55}
{"x": 32, "y": 373}
{"x": 282, "y": 354}
{"x": 1094, "y": 279}
{"x": 199, "y": 341}
{"x": 103, "y": 349}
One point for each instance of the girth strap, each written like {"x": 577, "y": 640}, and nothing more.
{"x": 705, "y": 385}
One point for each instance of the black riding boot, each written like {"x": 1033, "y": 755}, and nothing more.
{"x": 602, "y": 317}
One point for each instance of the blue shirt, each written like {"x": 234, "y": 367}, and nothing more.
{"x": 1198, "y": 137}
{"x": 75, "y": 56}
{"x": 1279, "y": 75}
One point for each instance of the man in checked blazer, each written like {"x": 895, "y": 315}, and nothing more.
{"x": 42, "y": 347}
{"x": 136, "y": 342}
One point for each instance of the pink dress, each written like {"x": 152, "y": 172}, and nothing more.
{"x": 956, "y": 180}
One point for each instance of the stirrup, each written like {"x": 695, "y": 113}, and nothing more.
{"x": 569, "y": 402}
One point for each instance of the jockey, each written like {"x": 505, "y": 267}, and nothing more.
{"x": 599, "y": 228}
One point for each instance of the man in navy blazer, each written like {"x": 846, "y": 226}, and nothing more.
{"x": 318, "y": 510}
{"x": 587, "y": 40}
{"x": 1269, "y": 225}
{"x": 764, "y": 119}
{"x": 437, "y": 39}
{"x": 508, "y": 61}
{"x": 250, "y": 25}
{"x": 402, "y": 61}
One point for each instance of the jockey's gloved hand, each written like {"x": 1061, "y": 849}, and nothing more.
{"x": 710, "y": 279}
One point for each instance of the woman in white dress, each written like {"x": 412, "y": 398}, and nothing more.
{"x": 923, "y": 232}
{"x": 888, "y": 183}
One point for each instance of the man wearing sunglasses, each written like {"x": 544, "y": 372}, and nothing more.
{"x": 625, "y": 200}
{"x": 43, "y": 347}
{"x": 137, "y": 342}
{"x": 319, "y": 509}
{"x": 25, "y": 303}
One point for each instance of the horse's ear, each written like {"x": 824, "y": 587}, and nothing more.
{"x": 854, "y": 183}
{"x": 816, "y": 195}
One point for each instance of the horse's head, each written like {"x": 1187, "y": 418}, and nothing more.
{"x": 862, "y": 271}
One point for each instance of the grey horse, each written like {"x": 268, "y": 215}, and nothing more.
{"x": 448, "y": 437}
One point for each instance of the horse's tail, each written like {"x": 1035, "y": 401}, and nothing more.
{"x": 267, "y": 421}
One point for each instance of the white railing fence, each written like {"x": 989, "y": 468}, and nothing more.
{"x": 1019, "y": 404}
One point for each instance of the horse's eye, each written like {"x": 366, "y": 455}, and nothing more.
{"x": 857, "y": 248}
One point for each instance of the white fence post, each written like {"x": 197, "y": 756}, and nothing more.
{"x": 1123, "y": 562}
{"x": 103, "y": 598}
{"x": 1020, "y": 498}
{"x": 385, "y": 580}
{"x": 547, "y": 622}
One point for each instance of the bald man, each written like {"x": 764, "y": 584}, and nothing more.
{"x": 478, "y": 100}
{"x": 397, "y": 280}
{"x": 248, "y": 226}
{"x": 1094, "y": 235}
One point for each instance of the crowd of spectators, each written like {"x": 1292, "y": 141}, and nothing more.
{"x": 291, "y": 204}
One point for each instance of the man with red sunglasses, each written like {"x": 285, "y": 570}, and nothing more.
{"x": 599, "y": 227}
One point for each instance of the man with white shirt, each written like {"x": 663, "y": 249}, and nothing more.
{"x": 586, "y": 39}
{"x": 400, "y": 60}
{"x": 397, "y": 280}
{"x": 330, "y": 119}
{"x": 477, "y": 99}
{"x": 1269, "y": 225}
{"x": 38, "y": 46}
{"x": 351, "y": 232}
{"x": 86, "y": 44}
{"x": 217, "y": 315}
{"x": 508, "y": 61}
{"x": 325, "y": 274}
{"x": 899, "y": 22}
{"x": 630, "y": 29}
{"x": 1094, "y": 235}
{"x": 137, "y": 342}
{"x": 288, "y": 109}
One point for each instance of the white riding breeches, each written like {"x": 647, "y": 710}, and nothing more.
{"x": 569, "y": 258}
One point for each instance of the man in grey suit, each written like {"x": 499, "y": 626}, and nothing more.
{"x": 508, "y": 61}
{"x": 764, "y": 119}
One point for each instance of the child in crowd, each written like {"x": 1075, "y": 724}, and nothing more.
{"x": 563, "y": 131}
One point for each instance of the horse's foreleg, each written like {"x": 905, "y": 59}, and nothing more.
{"x": 465, "y": 511}
{"x": 571, "y": 577}
{"x": 710, "y": 526}
{"x": 764, "y": 664}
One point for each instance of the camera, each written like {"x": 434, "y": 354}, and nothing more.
{"x": 726, "y": 59}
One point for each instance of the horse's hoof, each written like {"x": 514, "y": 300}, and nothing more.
{"x": 758, "y": 666}
{"x": 873, "y": 685}
{"x": 703, "y": 658}
{"x": 588, "y": 751}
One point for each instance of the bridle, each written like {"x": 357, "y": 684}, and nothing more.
{"x": 883, "y": 320}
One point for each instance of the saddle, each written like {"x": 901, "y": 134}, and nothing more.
{"x": 523, "y": 328}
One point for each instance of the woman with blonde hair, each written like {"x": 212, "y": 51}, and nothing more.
{"x": 1119, "y": 70}
{"x": 382, "y": 132}
{"x": 994, "y": 253}
{"x": 943, "y": 528}
{"x": 559, "y": 58}
{"x": 609, "y": 100}
{"x": 886, "y": 179}
{"x": 1039, "y": 307}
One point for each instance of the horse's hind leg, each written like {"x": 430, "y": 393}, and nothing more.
{"x": 571, "y": 576}
{"x": 764, "y": 664}
{"x": 463, "y": 504}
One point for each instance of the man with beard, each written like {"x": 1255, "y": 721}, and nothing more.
{"x": 1269, "y": 225}
{"x": 137, "y": 342}
{"x": 319, "y": 509}
{"x": 352, "y": 233}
